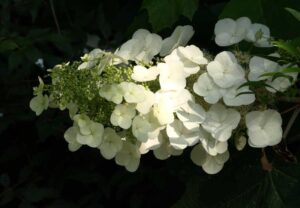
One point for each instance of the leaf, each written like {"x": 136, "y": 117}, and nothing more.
{"x": 256, "y": 84}
{"x": 4, "y": 180}
{"x": 281, "y": 25}
{"x": 190, "y": 198}
{"x": 164, "y": 13}
{"x": 248, "y": 8}
{"x": 244, "y": 93}
{"x": 288, "y": 47}
{"x": 33, "y": 193}
{"x": 7, "y": 45}
{"x": 276, "y": 75}
{"x": 244, "y": 183}
{"x": 294, "y": 12}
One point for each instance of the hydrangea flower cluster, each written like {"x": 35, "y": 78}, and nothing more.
{"x": 164, "y": 96}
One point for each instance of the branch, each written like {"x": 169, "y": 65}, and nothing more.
{"x": 289, "y": 99}
{"x": 291, "y": 122}
{"x": 54, "y": 16}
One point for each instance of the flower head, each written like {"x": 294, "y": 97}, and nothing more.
{"x": 210, "y": 164}
{"x": 111, "y": 144}
{"x": 206, "y": 88}
{"x": 129, "y": 156}
{"x": 39, "y": 103}
{"x": 225, "y": 70}
{"x": 259, "y": 34}
{"x": 229, "y": 32}
{"x": 221, "y": 121}
{"x": 171, "y": 76}
{"x": 264, "y": 128}
{"x": 122, "y": 115}
{"x": 142, "y": 74}
{"x": 70, "y": 137}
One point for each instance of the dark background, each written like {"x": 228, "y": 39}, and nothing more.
{"x": 36, "y": 168}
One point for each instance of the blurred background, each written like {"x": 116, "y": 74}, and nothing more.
{"x": 36, "y": 168}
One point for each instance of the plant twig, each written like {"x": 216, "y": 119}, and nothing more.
{"x": 290, "y": 109}
{"x": 291, "y": 122}
{"x": 54, "y": 16}
{"x": 289, "y": 100}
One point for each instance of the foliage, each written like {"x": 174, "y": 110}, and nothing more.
{"x": 164, "y": 13}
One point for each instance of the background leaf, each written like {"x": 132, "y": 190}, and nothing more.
{"x": 294, "y": 12}
{"x": 262, "y": 11}
{"x": 164, "y": 13}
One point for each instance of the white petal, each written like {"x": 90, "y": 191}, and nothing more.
{"x": 180, "y": 37}
{"x": 198, "y": 155}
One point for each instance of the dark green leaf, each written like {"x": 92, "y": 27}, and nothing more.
{"x": 288, "y": 47}
{"x": 7, "y": 45}
{"x": 256, "y": 84}
{"x": 294, "y": 12}
{"x": 244, "y": 93}
{"x": 164, "y": 13}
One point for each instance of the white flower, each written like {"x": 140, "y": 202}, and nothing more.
{"x": 142, "y": 47}
{"x": 129, "y": 156}
{"x": 112, "y": 93}
{"x": 259, "y": 34}
{"x": 94, "y": 138}
{"x": 165, "y": 150}
{"x": 264, "y": 128}
{"x": 142, "y": 74}
{"x": 145, "y": 106}
{"x": 240, "y": 143}
{"x": 221, "y": 121}
{"x": 163, "y": 113}
{"x": 225, "y": 70}
{"x": 174, "y": 98}
{"x": 40, "y": 63}
{"x": 39, "y": 103}
{"x": 83, "y": 122}
{"x": 122, "y": 115}
{"x": 70, "y": 137}
{"x": 193, "y": 54}
{"x": 73, "y": 108}
{"x": 143, "y": 128}
{"x": 206, "y": 88}
{"x": 191, "y": 112}
{"x": 210, "y": 144}
{"x": 281, "y": 83}
{"x": 210, "y": 164}
{"x": 232, "y": 96}
{"x": 88, "y": 132}
{"x": 133, "y": 93}
{"x": 229, "y": 32}
{"x": 129, "y": 50}
{"x": 180, "y": 37}
{"x": 151, "y": 144}
{"x": 259, "y": 66}
{"x": 168, "y": 102}
{"x": 171, "y": 76}
{"x": 91, "y": 59}
{"x": 180, "y": 137}
{"x": 191, "y": 57}
{"x": 152, "y": 45}
{"x": 111, "y": 144}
